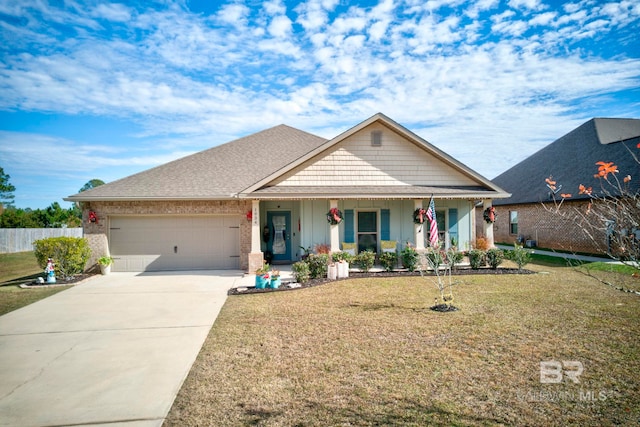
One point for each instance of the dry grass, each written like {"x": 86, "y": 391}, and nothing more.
{"x": 18, "y": 265}
{"x": 370, "y": 352}
{"x": 13, "y": 297}
{"x": 19, "y": 268}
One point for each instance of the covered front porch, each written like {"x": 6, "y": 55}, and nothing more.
{"x": 284, "y": 230}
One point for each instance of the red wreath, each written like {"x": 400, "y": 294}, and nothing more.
{"x": 489, "y": 215}
{"x": 93, "y": 217}
{"x": 419, "y": 216}
{"x": 334, "y": 216}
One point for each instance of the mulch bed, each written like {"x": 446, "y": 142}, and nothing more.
{"x": 73, "y": 280}
{"x": 290, "y": 286}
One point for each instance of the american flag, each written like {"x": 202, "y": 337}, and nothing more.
{"x": 433, "y": 224}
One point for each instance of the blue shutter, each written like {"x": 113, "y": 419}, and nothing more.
{"x": 385, "y": 224}
{"x": 453, "y": 225}
{"x": 349, "y": 234}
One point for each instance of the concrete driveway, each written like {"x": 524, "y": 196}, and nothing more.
{"x": 113, "y": 350}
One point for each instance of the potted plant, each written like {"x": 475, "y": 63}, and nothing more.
{"x": 275, "y": 279}
{"x": 263, "y": 276}
{"x": 105, "y": 264}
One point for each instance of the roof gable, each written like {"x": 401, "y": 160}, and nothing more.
{"x": 571, "y": 161}
{"x": 354, "y": 161}
{"x": 402, "y": 160}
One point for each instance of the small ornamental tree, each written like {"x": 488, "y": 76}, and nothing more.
{"x": 438, "y": 261}
{"x": 613, "y": 211}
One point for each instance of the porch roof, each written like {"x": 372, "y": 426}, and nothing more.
{"x": 374, "y": 192}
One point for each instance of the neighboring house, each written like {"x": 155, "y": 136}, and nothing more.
{"x": 270, "y": 192}
{"x": 570, "y": 161}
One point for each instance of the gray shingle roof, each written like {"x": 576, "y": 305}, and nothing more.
{"x": 571, "y": 161}
{"x": 246, "y": 166}
{"x": 216, "y": 173}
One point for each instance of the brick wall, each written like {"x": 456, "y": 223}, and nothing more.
{"x": 97, "y": 232}
{"x": 540, "y": 223}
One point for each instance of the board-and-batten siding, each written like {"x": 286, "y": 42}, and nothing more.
{"x": 355, "y": 162}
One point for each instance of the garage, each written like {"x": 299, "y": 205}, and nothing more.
{"x": 158, "y": 243}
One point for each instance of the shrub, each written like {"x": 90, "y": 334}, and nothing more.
{"x": 318, "y": 264}
{"x": 519, "y": 255}
{"x": 481, "y": 243}
{"x": 365, "y": 260}
{"x": 342, "y": 256}
{"x": 409, "y": 258}
{"x": 389, "y": 260}
{"x": 69, "y": 254}
{"x": 301, "y": 272}
{"x": 477, "y": 258}
{"x": 495, "y": 257}
{"x": 322, "y": 248}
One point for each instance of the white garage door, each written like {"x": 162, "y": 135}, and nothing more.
{"x": 155, "y": 243}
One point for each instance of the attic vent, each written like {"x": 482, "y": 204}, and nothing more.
{"x": 376, "y": 138}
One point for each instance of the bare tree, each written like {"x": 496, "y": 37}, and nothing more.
{"x": 611, "y": 219}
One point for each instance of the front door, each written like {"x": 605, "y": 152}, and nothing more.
{"x": 368, "y": 231}
{"x": 279, "y": 243}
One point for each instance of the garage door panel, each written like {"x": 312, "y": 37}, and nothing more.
{"x": 175, "y": 242}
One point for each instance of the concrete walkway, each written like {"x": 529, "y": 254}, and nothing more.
{"x": 113, "y": 350}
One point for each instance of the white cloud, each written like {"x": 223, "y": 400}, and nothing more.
{"x": 543, "y": 19}
{"x": 474, "y": 10}
{"x": 113, "y": 12}
{"x": 274, "y": 7}
{"x": 234, "y": 14}
{"x": 525, "y": 4}
{"x": 280, "y": 26}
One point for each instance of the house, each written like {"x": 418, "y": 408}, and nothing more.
{"x": 271, "y": 193}
{"x": 570, "y": 161}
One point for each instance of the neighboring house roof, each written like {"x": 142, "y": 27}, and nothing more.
{"x": 283, "y": 162}
{"x": 571, "y": 161}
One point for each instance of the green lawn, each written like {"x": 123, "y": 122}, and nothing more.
{"x": 369, "y": 352}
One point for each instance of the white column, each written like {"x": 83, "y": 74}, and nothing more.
{"x": 419, "y": 228}
{"x": 334, "y": 232}
{"x": 487, "y": 227}
{"x": 255, "y": 226}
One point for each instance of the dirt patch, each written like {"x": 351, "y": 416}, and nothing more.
{"x": 291, "y": 285}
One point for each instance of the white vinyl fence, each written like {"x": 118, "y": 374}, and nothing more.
{"x": 21, "y": 239}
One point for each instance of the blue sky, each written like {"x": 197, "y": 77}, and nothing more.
{"x": 104, "y": 90}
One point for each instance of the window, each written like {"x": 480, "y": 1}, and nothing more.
{"x": 368, "y": 231}
{"x": 376, "y": 138}
{"x": 441, "y": 221}
{"x": 513, "y": 222}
